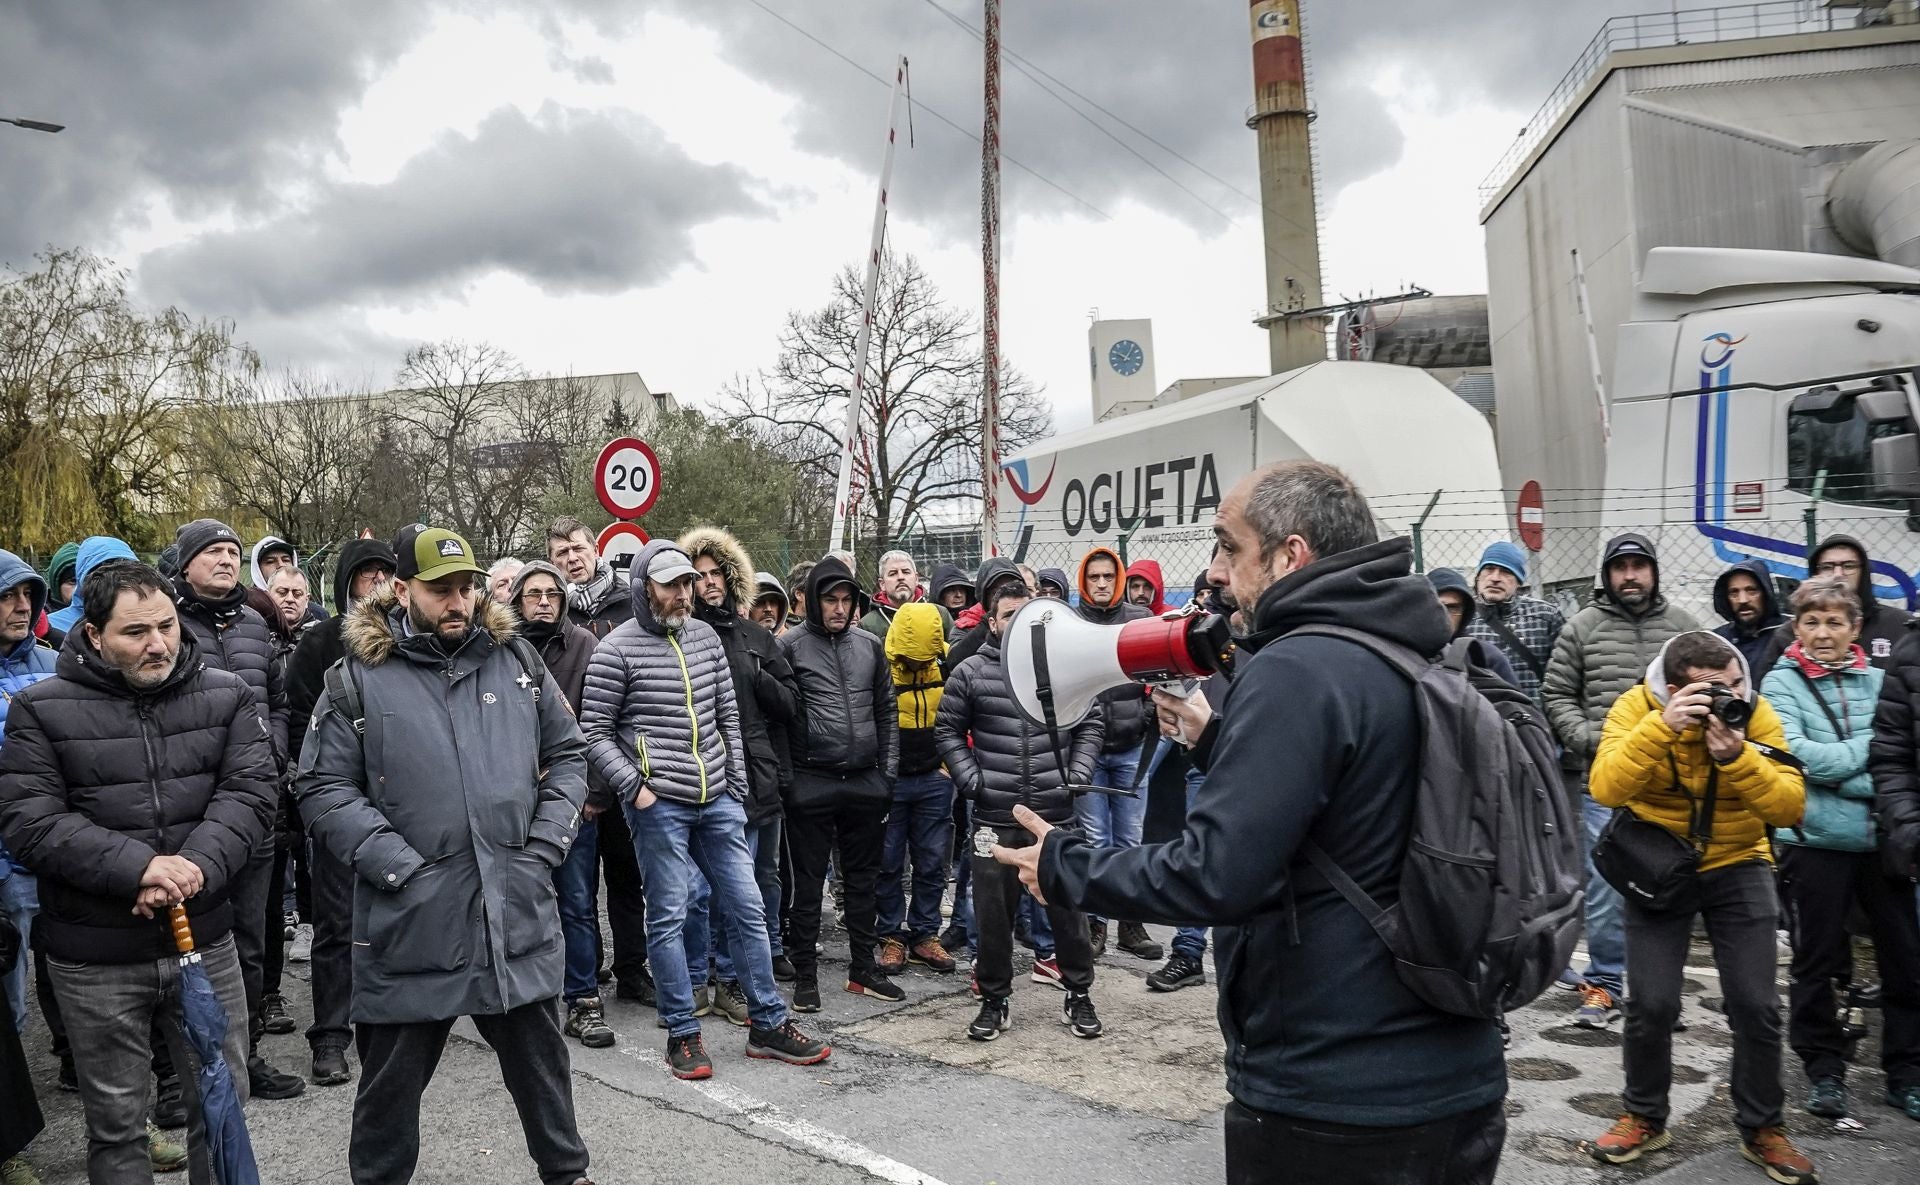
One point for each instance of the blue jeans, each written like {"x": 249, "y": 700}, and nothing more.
{"x": 921, "y": 825}
{"x": 675, "y": 841}
{"x": 575, "y": 881}
{"x": 1606, "y": 915}
{"x": 20, "y": 900}
{"x": 963, "y": 879}
{"x": 1191, "y": 941}
{"x": 1111, "y": 820}
{"x": 707, "y": 927}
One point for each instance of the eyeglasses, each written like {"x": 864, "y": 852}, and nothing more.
{"x": 1844, "y": 567}
{"x": 542, "y": 596}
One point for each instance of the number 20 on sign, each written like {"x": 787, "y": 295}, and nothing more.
{"x": 627, "y": 477}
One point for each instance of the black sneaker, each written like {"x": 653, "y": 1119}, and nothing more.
{"x": 330, "y": 1066}
{"x": 265, "y": 1082}
{"x": 639, "y": 989}
{"x": 70, "y": 1081}
{"x": 687, "y": 1057}
{"x": 996, "y": 1017}
{"x": 787, "y": 1044}
{"x": 806, "y": 994}
{"x": 289, "y": 922}
{"x": 954, "y": 937}
{"x": 169, "y": 1108}
{"x": 1135, "y": 940}
{"x": 273, "y": 1014}
{"x": 783, "y": 969}
{"x": 1182, "y": 970}
{"x": 1097, "y": 935}
{"x": 1079, "y": 1016}
{"x": 603, "y": 975}
{"x": 872, "y": 983}
{"x": 587, "y": 1024}
{"x": 1827, "y": 1098}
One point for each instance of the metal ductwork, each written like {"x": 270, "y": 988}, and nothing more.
{"x": 1875, "y": 203}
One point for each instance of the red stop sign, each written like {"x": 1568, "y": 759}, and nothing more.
{"x": 1532, "y": 516}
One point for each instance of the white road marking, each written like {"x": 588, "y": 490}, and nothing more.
{"x": 812, "y": 1136}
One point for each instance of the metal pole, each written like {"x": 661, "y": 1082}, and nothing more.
{"x": 1419, "y": 533}
{"x": 1593, "y": 346}
{"x": 841, "y": 489}
{"x": 1813, "y": 513}
{"x": 990, "y": 266}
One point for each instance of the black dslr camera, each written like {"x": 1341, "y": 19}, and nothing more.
{"x": 1729, "y": 707}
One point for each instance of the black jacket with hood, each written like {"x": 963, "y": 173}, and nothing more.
{"x": 1125, "y": 706}
{"x": 944, "y": 577}
{"x": 1755, "y": 640}
{"x": 1318, "y": 739}
{"x": 234, "y": 637}
{"x": 1882, "y": 626}
{"x": 323, "y": 645}
{"x": 845, "y": 738}
{"x": 991, "y": 573}
{"x": 566, "y": 649}
{"x": 1489, "y": 656}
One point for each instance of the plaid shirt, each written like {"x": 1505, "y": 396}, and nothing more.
{"x": 1535, "y": 623}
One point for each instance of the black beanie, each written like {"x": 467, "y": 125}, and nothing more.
{"x": 200, "y": 534}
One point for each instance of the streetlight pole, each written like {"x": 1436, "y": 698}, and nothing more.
{"x": 35, "y": 125}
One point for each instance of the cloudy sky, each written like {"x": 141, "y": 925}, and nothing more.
{"x": 605, "y": 185}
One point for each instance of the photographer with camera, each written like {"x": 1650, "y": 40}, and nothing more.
{"x": 1695, "y": 764}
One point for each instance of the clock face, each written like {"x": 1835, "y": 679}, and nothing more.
{"x": 1126, "y": 357}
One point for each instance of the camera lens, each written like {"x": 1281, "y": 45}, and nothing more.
{"x": 1733, "y": 711}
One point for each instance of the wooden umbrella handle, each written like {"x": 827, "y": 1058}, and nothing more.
{"x": 182, "y": 932}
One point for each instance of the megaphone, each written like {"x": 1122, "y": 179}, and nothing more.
{"x": 1056, "y": 663}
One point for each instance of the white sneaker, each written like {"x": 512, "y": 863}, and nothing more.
{"x": 302, "y": 944}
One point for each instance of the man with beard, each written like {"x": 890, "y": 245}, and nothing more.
{"x": 138, "y": 778}
{"x": 1744, "y": 597}
{"x": 232, "y": 637}
{"x": 899, "y": 585}
{"x": 539, "y": 593}
{"x": 445, "y": 769}
{"x": 769, "y": 610}
{"x": 1602, "y": 652}
{"x": 1521, "y": 627}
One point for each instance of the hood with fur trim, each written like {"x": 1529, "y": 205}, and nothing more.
{"x": 728, "y": 552}
{"x": 368, "y": 629}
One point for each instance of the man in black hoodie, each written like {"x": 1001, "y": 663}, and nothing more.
{"x": 1744, "y": 597}
{"x": 1881, "y": 625}
{"x": 1338, "y": 1072}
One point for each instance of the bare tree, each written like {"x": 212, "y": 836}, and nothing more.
{"x": 920, "y": 439}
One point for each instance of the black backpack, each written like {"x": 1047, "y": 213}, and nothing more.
{"x": 343, "y": 690}
{"x": 1492, "y": 889}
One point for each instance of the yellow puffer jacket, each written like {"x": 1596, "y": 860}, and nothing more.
{"x": 916, "y": 642}
{"x": 1631, "y": 769}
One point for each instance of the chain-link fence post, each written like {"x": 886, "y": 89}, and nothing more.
{"x": 1419, "y": 530}
{"x": 1812, "y": 513}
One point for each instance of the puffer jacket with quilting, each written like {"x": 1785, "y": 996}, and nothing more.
{"x": 235, "y": 638}
{"x": 845, "y": 737}
{"x": 659, "y": 707}
{"x": 1893, "y": 758}
{"x": 997, "y": 758}
{"x": 1839, "y": 788}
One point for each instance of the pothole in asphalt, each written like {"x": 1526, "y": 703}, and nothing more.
{"x": 1553, "y": 1001}
{"x": 1549, "y": 1149}
{"x": 1689, "y": 1076}
{"x": 1540, "y": 1069}
{"x": 1586, "y": 1038}
{"x": 1514, "y": 1109}
{"x": 1600, "y": 1106}
{"x": 1691, "y": 987}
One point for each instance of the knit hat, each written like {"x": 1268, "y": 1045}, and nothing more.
{"x": 1505, "y": 555}
{"x": 200, "y": 534}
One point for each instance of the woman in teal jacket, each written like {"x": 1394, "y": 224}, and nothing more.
{"x": 1825, "y": 692}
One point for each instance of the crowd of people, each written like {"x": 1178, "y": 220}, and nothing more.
{"x": 445, "y": 768}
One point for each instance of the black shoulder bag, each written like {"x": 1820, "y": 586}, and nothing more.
{"x": 1651, "y": 866}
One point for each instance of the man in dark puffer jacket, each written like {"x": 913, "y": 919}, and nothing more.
{"x": 235, "y": 638}
{"x": 845, "y": 742}
{"x": 137, "y": 778}
{"x": 999, "y": 761}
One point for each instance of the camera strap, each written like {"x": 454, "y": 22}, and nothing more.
{"x": 1700, "y": 829}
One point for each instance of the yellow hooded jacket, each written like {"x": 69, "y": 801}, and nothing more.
{"x": 916, "y": 642}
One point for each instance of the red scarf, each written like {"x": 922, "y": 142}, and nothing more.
{"x": 1812, "y": 668}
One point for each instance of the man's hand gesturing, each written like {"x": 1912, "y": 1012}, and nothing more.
{"x": 1027, "y": 859}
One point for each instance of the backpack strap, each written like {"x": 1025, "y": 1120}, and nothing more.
{"x": 343, "y": 692}
{"x": 1402, "y": 659}
{"x": 530, "y": 662}
{"x": 1534, "y": 662}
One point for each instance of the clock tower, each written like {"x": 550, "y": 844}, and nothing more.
{"x": 1120, "y": 356}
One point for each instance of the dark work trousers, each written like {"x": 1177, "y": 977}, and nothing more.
{"x": 332, "y": 959}
{"x": 397, "y": 1062}
{"x": 254, "y": 894}
{"x": 626, "y": 900}
{"x": 1741, "y": 910}
{"x": 996, "y": 899}
{"x": 300, "y": 851}
{"x": 1822, "y": 888}
{"x": 852, "y": 833}
{"x": 1268, "y": 1149}
{"x": 275, "y": 946}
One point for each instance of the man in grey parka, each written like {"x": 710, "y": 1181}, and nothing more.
{"x": 452, "y": 791}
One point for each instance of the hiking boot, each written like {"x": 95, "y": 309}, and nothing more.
{"x": 1182, "y": 970}
{"x": 1046, "y": 971}
{"x": 289, "y": 924}
{"x": 703, "y": 999}
{"x": 273, "y": 1015}
{"x": 1771, "y": 1150}
{"x": 787, "y": 1044}
{"x": 164, "y": 1153}
{"x": 265, "y": 1082}
{"x": 330, "y": 1065}
{"x": 603, "y": 975}
{"x": 995, "y": 1018}
{"x": 783, "y": 969}
{"x": 954, "y": 937}
{"x": 1097, "y": 935}
{"x": 302, "y": 949}
{"x": 730, "y": 1001}
{"x": 806, "y": 993}
{"x": 874, "y": 983}
{"x": 930, "y": 954}
{"x": 1630, "y": 1137}
{"x": 70, "y": 1081}
{"x": 893, "y": 956}
{"x": 1598, "y": 1009}
{"x": 1827, "y": 1098}
{"x": 1078, "y": 1015}
{"x": 15, "y": 1170}
{"x": 639, "y": 989}
{"x": 1905, "y": 1099}
{"x": 587, "y": 1024}
{"x": 169, "y": 1108}
{"x": 687, "y": 1058}
{"x": 1135, "y": 940}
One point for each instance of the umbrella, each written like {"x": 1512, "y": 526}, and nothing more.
{"x": 205, "y": 1021}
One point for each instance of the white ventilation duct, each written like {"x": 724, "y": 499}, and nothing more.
{"x": 1875, "y": 203}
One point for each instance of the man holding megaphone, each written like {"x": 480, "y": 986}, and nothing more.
{"x": 1339, "y": 1072}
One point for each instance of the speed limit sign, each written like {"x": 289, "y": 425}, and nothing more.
{"x": 627, "y": 477}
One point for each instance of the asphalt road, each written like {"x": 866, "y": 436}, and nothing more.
{"x": 907, "y": 1098}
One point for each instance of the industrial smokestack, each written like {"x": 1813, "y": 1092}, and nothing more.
{"x": 1280, "y": 117}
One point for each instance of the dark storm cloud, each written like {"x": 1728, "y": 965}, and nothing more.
{"x": 572, "y": 201}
